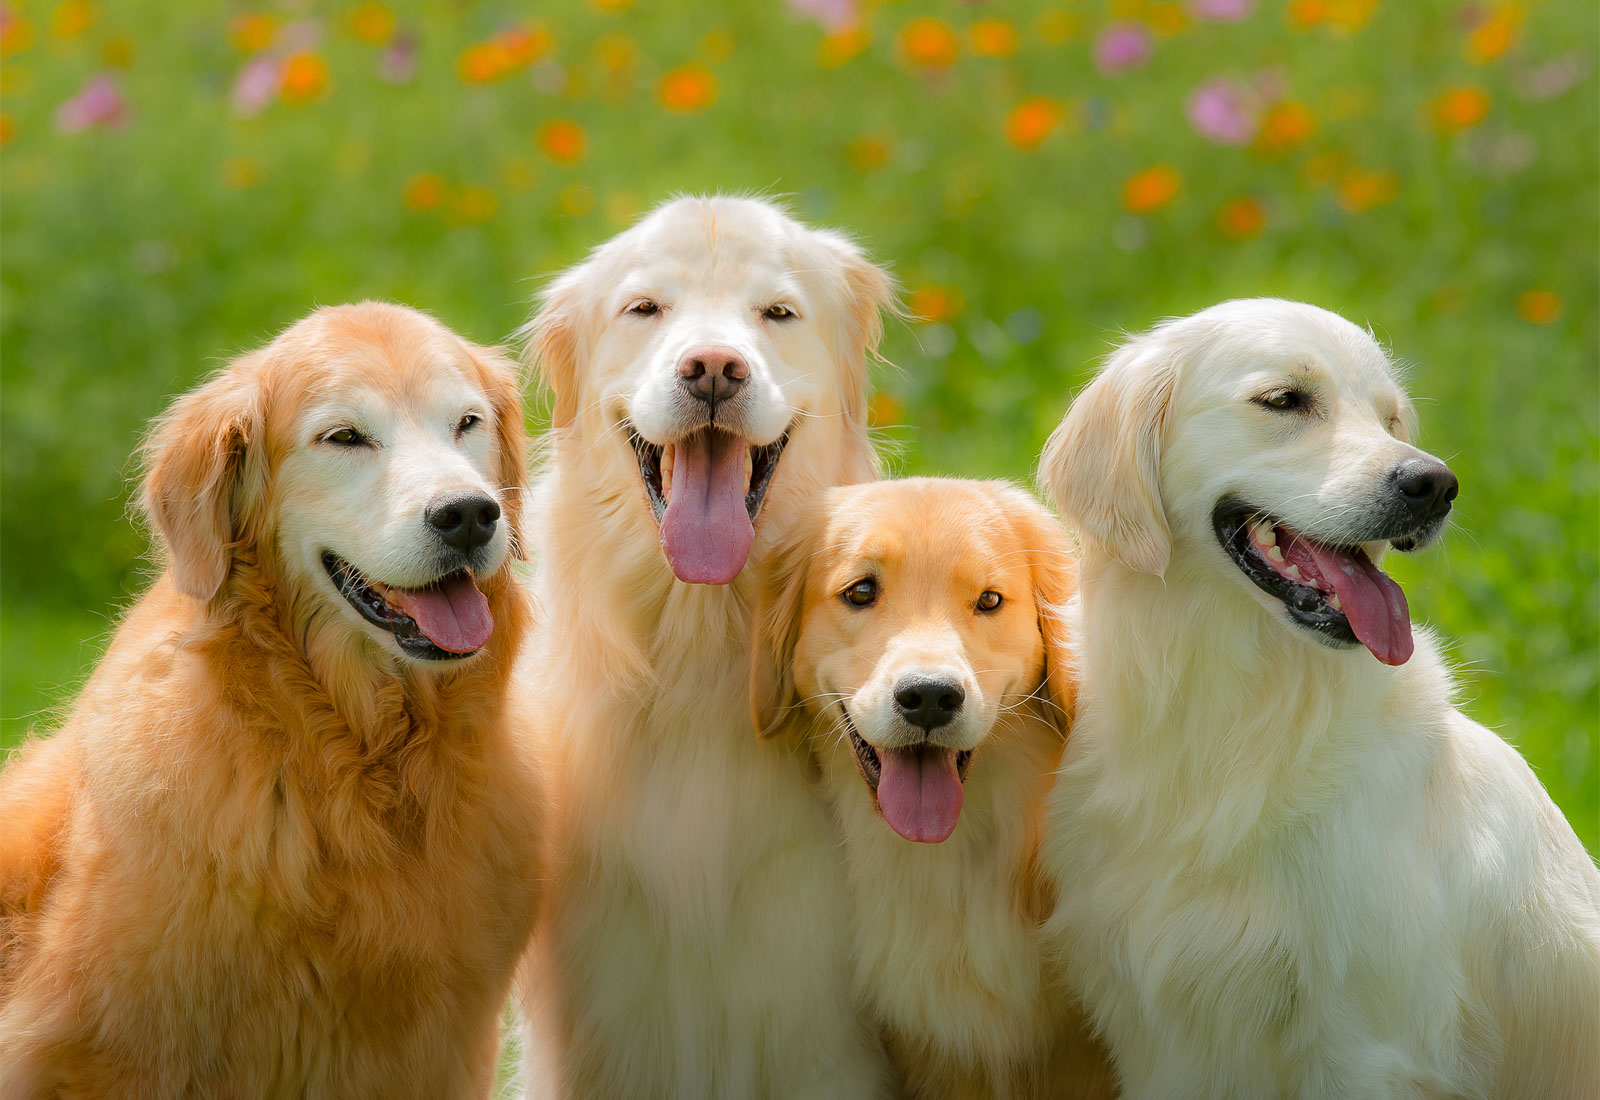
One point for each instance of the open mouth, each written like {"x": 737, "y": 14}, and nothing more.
{"x": 917, "y": 788}
{"x": 443, "y": 621}
{"x": 705, "y": 491}
{"x": 1336, "y": 591}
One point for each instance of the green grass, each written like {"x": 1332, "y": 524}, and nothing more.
{"x": 136, "y": 259}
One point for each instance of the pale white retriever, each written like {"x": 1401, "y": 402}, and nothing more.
{"x": 1288, "y": 866}
{"x": 709, "y": 372}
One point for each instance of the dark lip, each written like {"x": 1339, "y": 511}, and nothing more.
{"x": 359, "y": 594}
{"x": 871, "y": 768}
{"x": 763, "y": 464}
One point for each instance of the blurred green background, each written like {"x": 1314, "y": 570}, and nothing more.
{"x": 179, "y": 181}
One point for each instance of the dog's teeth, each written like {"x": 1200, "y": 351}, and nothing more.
{"x": 1275, "y": 555}
{"x": 1293, "y": 572}
{"x": 1333, "y": 602}
{"x": 1264, "y": 533}
{"x": 666, "y": 472}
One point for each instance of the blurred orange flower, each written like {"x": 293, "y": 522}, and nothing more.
{"x": 562, "y": 140}
{"x": 1033, "y": 120}
{"x": 1286, "y": 125}
{"x": 1539, "y": 306}
{"x": 688, "y": 88}
{"x": 1151, "y": 189}
{"x": 482, "y": 62}
{"x": 613, "y": 5}
{"x": 1350, "y": 15}
{"x": 72, "y": 17}
{"x": 1494, "y": 36}
{"x": 929, "y": 43}
{"x": 867, "y": 152}
{"x": 993, "y": 38}
{"x": 252, "y": 32}
{"x": 521, "y": 46}
{"x": 304, "y": 78}
{"x": 1305, "y": 14}
{"x": 1241, "y": 218}
{"x": 241, "y": 173}
{"x": 8, "y": 129}
{"x": 1057, "y": 26}
{"x": 835, "y": 49}
{"x": 16, "y": 34}
{"x": 932, "y": 304}
{"x": 373, "y": 23}
{"x": 1360, "y": 190}
{"x": 1461, "y": 108}
{"x": 1166, "y": 19}
{"x": 474, "y": 204}
{"x": 424, "y": 192}
{"x": 885, "y": 410}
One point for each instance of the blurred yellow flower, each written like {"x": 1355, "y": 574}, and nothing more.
{"x": 118, "y": 51}
{"x": 621, "y": 208}
{"x": 562, "y": 140}
{"x": 1539, "y": 306}
{"x": 1033, "y": 120}
{"x": 577, "y": 199}
{"x": 1285, "y": 126}
{"x": 867, "y": 152}
{"x": 483, "y": 62}
{"x": 1350, "y": 15}
{"x": 932, "y": 304}
{"x": 1321, "y": 169}
{"x": 993, "y": 38}
{"x": 72, "y": 17}
{"x": 929, "y": 43}
{"x": 424, "y": 192}
{"x": 241, "y": 173}
{"x": 1057, "y": 26}
{"x": 1151, "y": 189}
{"x": 8, "y": 129}
{"x": 613, "y": 5}
{"x": 517, "y": 174}
{"x": 252, "y": 32}
{"x": 688, "y": 88}
{"x": 1495, "y": 35}
{"x": 1166, "y": 19}
{"x": 473, "y": 204}
{"x": 1305, "y": 14}
{"x": 373, "y": 23}
{"x": 1241, "y": 218}
{"x": 1128, "y": 9}
{"x": 1360, "y": 190}
{"x": 16, "y": 34}
{"x": 885, "y": 410}
{"x": 618, "y": 53}
{"x": 304, "y": 78}
{"x": 1460, "y": 108}
{"x": 835, "y": 49}
{"x": 717, "y": 46}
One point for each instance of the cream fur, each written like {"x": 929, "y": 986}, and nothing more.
{"x": 1286, "y": 869}
{"x": 696, "y": 940}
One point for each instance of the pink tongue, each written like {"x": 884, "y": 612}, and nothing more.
{"x": 1374, "y": 604}
{"x": 919, "y": 792}
{"x": 706, "y": 532}
{"x": 453, "y": 613}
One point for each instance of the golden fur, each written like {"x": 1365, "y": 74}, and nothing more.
{"x": 265, "y": 856}
{"x": 949, "y": 957}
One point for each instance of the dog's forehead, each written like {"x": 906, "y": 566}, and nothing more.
{"x": 927, "y": 526}
{"x": 426, "y": 376}
{"x": 685, "y": 257}
{"x": 1299, "y": 343}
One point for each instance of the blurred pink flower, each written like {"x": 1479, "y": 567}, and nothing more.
{"x": 834, "y": 15}
{"x": 398, "y": 64}
{"x": 100, "y": 103}
{"x": 1221, "y": 11}
{"x": 1220, "y": 111}
{"x": 256, "y": 85}
{"x": 1122, "y": 46}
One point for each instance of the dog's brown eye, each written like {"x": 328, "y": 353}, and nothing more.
{"x": 989, "y": 600}
{"x": 864, "y": 593}
{"x": 345, "y": 437}
{"x": 644, "y": 307}
{"x": 778, "y": 312}
{"x": 1286, "y": 400}
{"x": 466, "y": 423}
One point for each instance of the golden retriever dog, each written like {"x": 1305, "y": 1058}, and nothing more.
{"x": 1287, "y": 864}
{"x": 911, "y": 633}
{"x": 709, "y": 376}
{"x": 284, "y": 844}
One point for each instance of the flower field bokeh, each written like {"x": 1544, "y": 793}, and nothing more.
{"x": 179, "y": 181}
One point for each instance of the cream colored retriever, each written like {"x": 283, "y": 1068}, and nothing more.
{"x": 284, "y": 844}
{"x": 709, "y": 374}
{"x": 1288, "y": 866}
{"x": 910, "y": 632}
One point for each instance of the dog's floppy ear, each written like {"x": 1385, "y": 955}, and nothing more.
{"x": 869, "y": 292}
{"x": 1103, "y": 463}
{"x": 1055, "y": 579}
{"x": 503, "y": 383}
{"x": 552, "y": 343}
{"x": 197, "y": 489}
{"x": 779, "y": 603}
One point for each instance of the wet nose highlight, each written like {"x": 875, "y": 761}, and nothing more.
{"x": 928, "y": 702}
{"x": 463, "y": 520}
{"x": 1427, "y": 486}
{"x": 713, "y": 373}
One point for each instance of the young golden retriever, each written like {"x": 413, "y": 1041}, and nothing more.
{"x": 284, "y": 844}
{"x": 910, "y": 632}
{"x": 709, "y": 374}
{"x": 1289, "y": 866}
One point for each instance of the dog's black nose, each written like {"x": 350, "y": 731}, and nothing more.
{"x": 1427, "y": 485}
{"x": 713, "y": 373}
{"x": 928, "y": 703}
{"x": 463, "y": 520}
